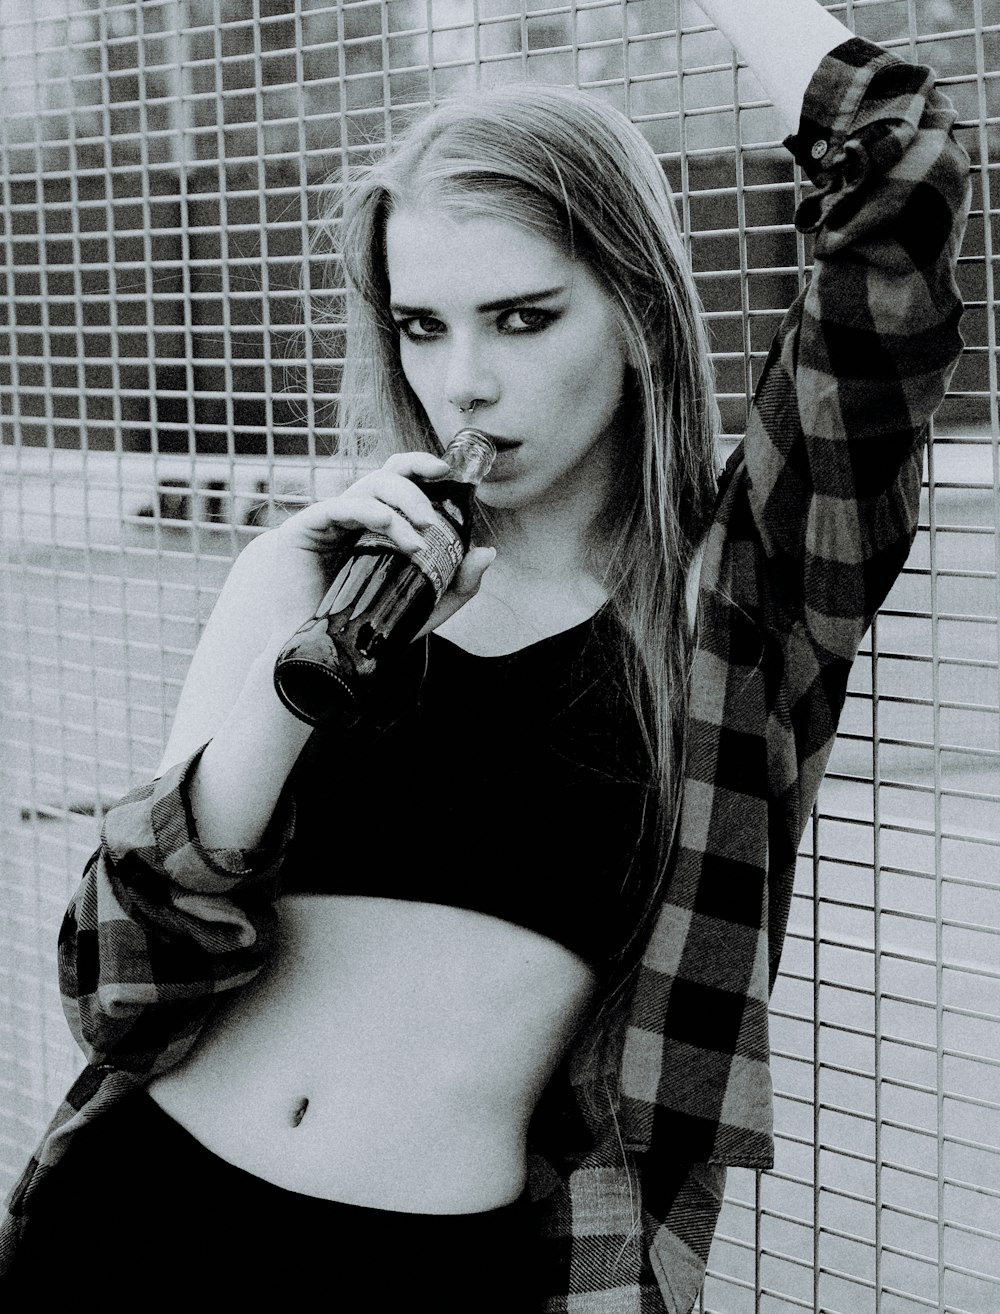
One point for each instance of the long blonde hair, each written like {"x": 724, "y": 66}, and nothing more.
{"x": 571, "y": 168}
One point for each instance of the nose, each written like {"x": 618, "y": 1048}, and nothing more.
{"x": 471, "y": 377}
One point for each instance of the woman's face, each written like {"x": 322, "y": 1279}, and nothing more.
{"x": 493, "y": 314}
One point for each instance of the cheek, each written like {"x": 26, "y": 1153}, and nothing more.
{"x": 593, "y": 377}
{"x": 423, "y": 376}
{"x": 411, "y": 367}
{"x": 587, "y": 363}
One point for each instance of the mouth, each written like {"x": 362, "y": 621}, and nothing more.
{"x": 500, "y": 443}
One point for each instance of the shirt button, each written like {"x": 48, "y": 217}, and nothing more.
{"x": 819, "y": 149}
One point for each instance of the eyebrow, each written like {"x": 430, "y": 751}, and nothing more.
{"x": 504, "y": 303}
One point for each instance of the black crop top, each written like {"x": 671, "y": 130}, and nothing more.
{"x": 513, "y": 786}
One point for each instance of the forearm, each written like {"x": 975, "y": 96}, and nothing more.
{"x": 245, "y": 765}
{"x": 783, "y": 41}
{"x": 835, "y": 436}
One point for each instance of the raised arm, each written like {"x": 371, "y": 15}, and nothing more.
{"x": 783, "y": 41}
{"x": 834, "y": 443}
{"x": 816, "y": 515}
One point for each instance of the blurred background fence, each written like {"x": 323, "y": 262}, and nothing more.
{"x": 162, "y": 168}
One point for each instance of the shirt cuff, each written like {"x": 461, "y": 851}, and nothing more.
{"x": 187, "y": 861}
{"x": 855, "y": 85}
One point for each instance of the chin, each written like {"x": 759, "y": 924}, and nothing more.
{"x": 497, "y": 492}
{"x": 504, "y": 496}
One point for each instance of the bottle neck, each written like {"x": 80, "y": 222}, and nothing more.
{"x": 470, "y": 454}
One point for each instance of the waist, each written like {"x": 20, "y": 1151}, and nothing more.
{"x": 391, "y": 1057}
{"x": 425, "y": 1153}
{"x": 168, "y": 1147}
{"x": 199, "y": 1224}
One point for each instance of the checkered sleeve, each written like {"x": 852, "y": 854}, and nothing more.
{"x": 160, "y": 927}
{"x": 834, "y": 442}
{"x": 814, "y": 521}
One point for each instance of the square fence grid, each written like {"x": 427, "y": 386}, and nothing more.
{"x": 163, "y": 167}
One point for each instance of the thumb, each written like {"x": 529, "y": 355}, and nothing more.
{"x": 464, "y": 585}
{"x": 469, "y": 575}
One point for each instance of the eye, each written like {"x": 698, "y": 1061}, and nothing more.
{"x": 420, "y": 328}
{"x": 526, "y": 319}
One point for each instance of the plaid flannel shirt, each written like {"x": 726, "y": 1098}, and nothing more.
{"x": 816, "y": 513}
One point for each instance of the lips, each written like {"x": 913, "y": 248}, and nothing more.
{"x": 502, "y": 444}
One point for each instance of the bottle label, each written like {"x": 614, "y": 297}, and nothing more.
{"x": 437, "y": 560}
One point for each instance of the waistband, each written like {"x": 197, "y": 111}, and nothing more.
{"x": 140, "y": 1121}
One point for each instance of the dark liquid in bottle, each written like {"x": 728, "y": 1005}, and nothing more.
{"x": 381, "y": 597}
{"x": 379, "y": 600}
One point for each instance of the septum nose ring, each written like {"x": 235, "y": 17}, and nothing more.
{"x": 467, "y": 410}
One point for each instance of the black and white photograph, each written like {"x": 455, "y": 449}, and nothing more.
{"x": 500, "y": 656}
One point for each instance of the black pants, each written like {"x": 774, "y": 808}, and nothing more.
{"x": 138, "y": 1214}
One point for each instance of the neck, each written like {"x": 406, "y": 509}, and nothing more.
{"x": 553, "y": 537}
{"x": 550, "y": 542}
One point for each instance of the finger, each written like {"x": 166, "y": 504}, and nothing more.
{"x": 402, "y": 495}
{"x": 392, "y": 484}
{"x": 322, "y": 526}
{"x": 425, "y": 465}
{"x": 381, "y": 518}
{"x": 464, "y": 585}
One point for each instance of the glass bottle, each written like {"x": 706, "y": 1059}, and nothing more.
{"x": 381, "y": 597}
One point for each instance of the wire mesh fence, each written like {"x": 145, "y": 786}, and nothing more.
{"x": 163, "y": 167}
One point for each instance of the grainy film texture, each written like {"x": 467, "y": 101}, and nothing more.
{"x": 163, "y": 390}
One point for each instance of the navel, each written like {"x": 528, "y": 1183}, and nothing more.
{"x": 299, "y": 1112}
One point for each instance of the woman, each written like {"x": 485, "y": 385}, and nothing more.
{"x": 485, "y": 1014}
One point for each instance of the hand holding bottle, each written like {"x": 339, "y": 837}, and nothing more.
{"x": 294, "y": 560}
{"x": 405, "y": 572}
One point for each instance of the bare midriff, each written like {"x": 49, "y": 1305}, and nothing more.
{"x": 390, "y": 1056}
